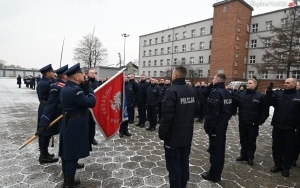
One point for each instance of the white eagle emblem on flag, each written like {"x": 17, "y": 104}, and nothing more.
{"x": 116, "y": 103}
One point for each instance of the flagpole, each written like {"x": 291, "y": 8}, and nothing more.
{"x": 120, "y": 71}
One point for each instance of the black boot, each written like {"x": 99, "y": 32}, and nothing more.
{"x": 71, "y": 183}
{"x": 44, "y": 158}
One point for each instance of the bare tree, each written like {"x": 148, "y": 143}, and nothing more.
{"x": 2, "y": 63}
{"x": 283, "y": 48}
{"x": 90, "y": 51}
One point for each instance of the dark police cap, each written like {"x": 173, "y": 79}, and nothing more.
{"x": 46, "y": 68}
{"x": 61, "y": 70}
{"x": 73, "y": 70}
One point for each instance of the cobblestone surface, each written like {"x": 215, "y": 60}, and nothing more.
{"x": 128, "y": 162}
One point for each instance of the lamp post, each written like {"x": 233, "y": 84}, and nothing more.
{"x": 124, "y": 35}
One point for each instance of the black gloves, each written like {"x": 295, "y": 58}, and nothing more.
{"x": 40, "y": 131}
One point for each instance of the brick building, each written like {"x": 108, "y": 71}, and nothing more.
{"x": 228, "y": 43}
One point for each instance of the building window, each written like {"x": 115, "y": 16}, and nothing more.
{"x": 209, "y": 59}
{"x": 175, "y": 61}
{"x": 150, "y": 40}
{"x": 200, "y": 59}
{"x": 267, "y": 42}
{"x": 184, "y": 35}
{"x": 176, "y": 49}
{"x": 235, "y": 71}
{"x": 149, "y": 63}
{"x": 162, "y": 39}
{"x": 155, "y": 63}
{"x": 183, "y": 60}
{"x": 156, "y": 39}
{"x": 248, "y": 29}
{"x": 209, "y": 44}
{"x": 193, "y": 33}
{"x": 236, "y": 55}
{"x": 192, "y": 46}
{"x": 192, "y": 60}
{"x": 237, "y": 46}
{"x": 169, "y": 38}
{"x": 264, "y": 75}
{"x": 237, "y": 38}
{"x": 144, "y": 53}
{"x": 183, "y": 48}
{"x": 236, "y": 64}
{"x": 224, "y": 8}
{"x": 250, "y": 74}
{"x": 296, "y": 75}
{"x": 150, "y": 52}
{"x": 201, "y": 46}
{"x": 145, "y": 42}
{"x": 211, "y": 29}
{"x": 208, "y": 73}
{"x": 200, "y": 73}
{"x": 239, "y": 20}
{"x": 154, "y": 73}
{"x": 149, "y": 73}
{"x": 168, "y": 61}
{"x": 254, "y": 27}
{"x": 284, "y": 22}
{"x": 269, "y": 25}
{"x": 161, "y": 73}
{"x": 162, "y": 50}
{"x": 169, "y": 50}
{"x": 245, "y": 60}
{"x": 239, "y": 29}
{"x": 202, "y": 31}
{"x": 246, "y": 44}
{"x": 144, "y": 72}
{"x": 252, "y": 59}
{"x": 161, "y": 62}
{"x": 279, "y": 75}
{"x": 253, "y": 43}
{"x": 144, "y": 63}
{"x": 155, "y": 51}
{"x": 176, "y": 36}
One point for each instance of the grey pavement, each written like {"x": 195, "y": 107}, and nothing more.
{"x": 136, "y": 161}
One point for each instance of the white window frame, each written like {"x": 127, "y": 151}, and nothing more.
{"x": 252, "y": 59}
{"x": 200, "y": 73}
{"x": 184, "y": 48}
{"x": 162, "y": 51}
{"x": 162, "y": 39}
{"x": 253, "y": 43}
{"x": 176, "y": 49}
{"x": 202, "y": 31}
{"x": 193, "y": 33}
{"x": 192, "y": 46}
{"x": 201, "y": 46}
{"x": 161, "y": 62}
{"x": 264, "y": 74}
{"x": 192, "y": 60}
{"x": 268, "y": 25}
{"x": 184, "y": 35}
{"x": 183, "y": 61}
{"x": 250, "y": 74}
{"x": 201, "y": 59}
{"x": 254, "y": 28}
{"x": 279, "y": 75}
{"x": 169, "y": 50}
{"x": 176, "y": 36}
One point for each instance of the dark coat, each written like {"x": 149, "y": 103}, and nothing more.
{"x": 287, "y": 107}
{"x": 74, "y": 132}
{"x": 19, "y": 80}
{"x": 43, "y": 90}
{"x": 179, "y": 105}
{"x": 52, "y": 109}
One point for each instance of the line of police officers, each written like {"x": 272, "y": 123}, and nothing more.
{"x": 219, "y": 105}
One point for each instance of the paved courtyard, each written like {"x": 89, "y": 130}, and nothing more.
{"x": 136, "y": 161}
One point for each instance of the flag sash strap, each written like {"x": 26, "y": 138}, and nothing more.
{"x": 108, "y": 112}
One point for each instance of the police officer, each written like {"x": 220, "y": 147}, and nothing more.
{"x": 130, "y": 100}
{"x": 218, "y": 113}
{"x": 75, "y": 100}
{"x": 19, "y": 81}
{"x": 153, "y": 96}
{"x": 202, "y": 100}
{"x": 176, "y": 127}
{"x": 163, "y": 88}
{"x": 43, "y": 90}
{"x": 130, "y": 108}
{"x": 92, "y": 131}
{"x": 142, "y": 97}
{"x": 253, "y": 111}
{"x": 285, "y": 121}
{"x": 51, "y": 111}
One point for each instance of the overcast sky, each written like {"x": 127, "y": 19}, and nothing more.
{"x": 32, "y": 31}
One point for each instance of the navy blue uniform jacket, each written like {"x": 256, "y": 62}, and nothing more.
{"x": 74, "y": 132}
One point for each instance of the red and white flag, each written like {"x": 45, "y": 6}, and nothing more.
{"x": 108, "y": 111}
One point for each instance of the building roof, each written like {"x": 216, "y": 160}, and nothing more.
{"x": 227, "y": 1}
